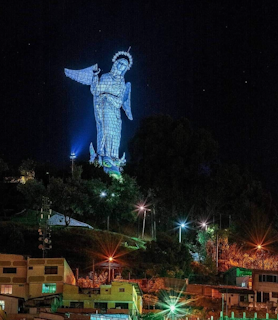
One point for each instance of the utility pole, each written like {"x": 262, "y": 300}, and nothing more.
{"x": 44, "y": 228}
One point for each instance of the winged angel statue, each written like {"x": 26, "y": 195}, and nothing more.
{"x": 110, "y": 94}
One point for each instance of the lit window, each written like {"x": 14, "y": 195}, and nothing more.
{"x": 6, "y": 289}
{"x": 9, "y": 270}
{"x": 49, "y": 288}
{"x": 50, "y": 270}
{"x": 121, "y": 289}
{"x": 2, "y": 304}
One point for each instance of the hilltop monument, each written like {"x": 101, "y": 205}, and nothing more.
{"x": 110, "y": 94}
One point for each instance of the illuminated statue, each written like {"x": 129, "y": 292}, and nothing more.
{"x": 110, "y": 94}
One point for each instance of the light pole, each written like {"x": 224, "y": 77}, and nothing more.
{"x": 182, "y": 225}
{"x": 260, "y": 248}
{"x": 110, "y": 259}
{"x": 103, "y": 194}
{"x": 144, "y": 210}
{"x": 72, "y": 158}
{"x": 172, "y": 311}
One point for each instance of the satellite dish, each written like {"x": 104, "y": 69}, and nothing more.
{"x": 40, "y": 246}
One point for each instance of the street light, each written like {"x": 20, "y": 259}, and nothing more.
{"x": 144, "y": 210}
{"x": 182, "y": 225}
{"x": 204, "y": 225}
{"x": 259, "y": 247}
{"x": 72, "y": 158}
{"x": 103, "y": 194}
{"x": 172, "y": 308}
{"x": 110, "y": 259}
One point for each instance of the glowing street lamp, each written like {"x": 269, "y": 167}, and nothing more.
{"x": 182, "y": 225}
{"x": 103, "y": 194}
{"x": 172, "y": 311}
{"x": 204, "y": 225}
{"x": 110, "y": 259}
{"x": 143, "y": 209}
{"x": 72, "y": 158}
{"x": 172, "y": 308}
{"x": 259, "y": 247}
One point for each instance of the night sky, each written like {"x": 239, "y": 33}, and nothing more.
{"x": 214, "y": 62}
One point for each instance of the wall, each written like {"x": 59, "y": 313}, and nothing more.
{"x": 18, "y": 279}
{"x": 108, "y": 293}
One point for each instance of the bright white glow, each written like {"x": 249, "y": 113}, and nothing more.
{"x": 142, "y": 208}
{"x": 103, "y": 194}
{"x": 110, "y": 259}
{"x": 183, "y": 225}
{"x": 113, "y": 195}
{"x": 72, "y": 156}
{"x": 204, "y": 224}
{"x": 172, "y": 308}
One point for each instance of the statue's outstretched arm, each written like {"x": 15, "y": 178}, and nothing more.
{"x": 126, "y": 101}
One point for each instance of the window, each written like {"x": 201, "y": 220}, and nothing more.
{"x": 267, "y": 278}
{"x": 265, "y": 296}
{"x": 6, "y": 289}
{"x": 9, "y": 270}
{"x": 77, "y": 304}
{"x": 270, "y": 278}
{"x": 50, "y": 270}
{"x": 2, "y": 304}
{"x": 242, "y": 298}
{"x": 30, "y": 268}
{"x": 120, "y": 305}
{"x": 101, "y": 305}
{"x": 274, "y": 294}
{"x": 48, "y": 287}
{"x": 121, "y": 289}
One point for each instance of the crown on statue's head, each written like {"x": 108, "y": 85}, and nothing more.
{"x": 125, "y": 55}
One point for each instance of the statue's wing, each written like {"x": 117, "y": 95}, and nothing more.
{"x": 83, "y": 76}
{"x": 126, "y": 103}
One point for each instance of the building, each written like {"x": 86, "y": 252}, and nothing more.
{"x": 233, "y": 296}
{"x": 117, "y": 297}
{"x": 265, "y": 285}
{"x": 240, "y": 277}
{"x": 13, "y": 282}
{"x": 35, "y": 280}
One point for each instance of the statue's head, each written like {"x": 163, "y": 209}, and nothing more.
{"x": 120, "y": 67}
{"x": 122, "y": 62}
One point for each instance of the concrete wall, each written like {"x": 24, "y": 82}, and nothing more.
{"x": 36, "y": 276}
{"x": 121, "y": 292}
{"x": 11, "y": 304}
{"x": 18, "y": 279}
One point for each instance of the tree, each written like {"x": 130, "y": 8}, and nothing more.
{"x": 33, "y": 192}
{"x": 174, "y": 160}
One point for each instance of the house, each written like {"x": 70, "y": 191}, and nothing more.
{"x": 233, "y": 296}
{"x": 58, "y": 219}
{"x": 265, "y": 285}
{"x": 39, "y": 281}
{"x": 13, "y": 282}
{"x": 237, "y": 276}
{"x": 117, "y": 297}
